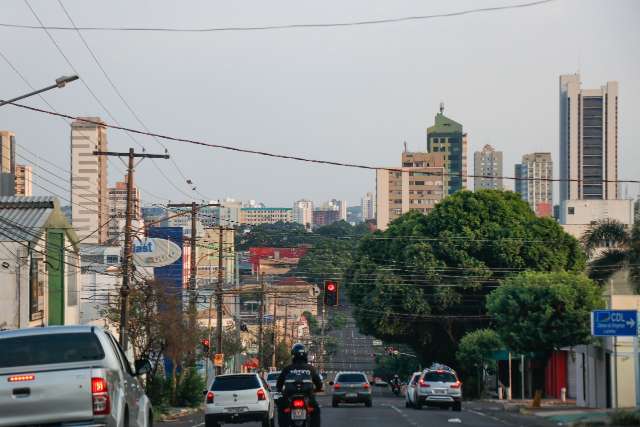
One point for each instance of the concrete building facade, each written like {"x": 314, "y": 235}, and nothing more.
{"x": 533, "y": 181}
{"x": 588, "y": 140}
{"x": 89, "y": 192}
{"x": 303, "y": 212}
{"x": 7, "y": 163}
{"x": 417, "y": 186}
{"x": 577, "y": 215}
{"x": 368, "y": 205}
{"x": 255, "y": 216}
{"x": 118, "y": 209}
{"x": 446, "y": 136}
{"x": 487, "y": 169}
{"x": 24, "y": 178}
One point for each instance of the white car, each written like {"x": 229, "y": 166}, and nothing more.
{"x": 410, "y": 393}
{"x": 272, "y": 379}
{"x": 238, "y": 398}
{"x": 439, "y": 387}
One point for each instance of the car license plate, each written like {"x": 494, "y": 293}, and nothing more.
{"x": 352, "y": 395}
{"x": 439, "y": 391}
{"x": 236, "y": 410}
{"x": 299, "y": 414}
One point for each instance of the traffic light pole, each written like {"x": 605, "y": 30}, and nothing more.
{"x": 324, "y": 317}
{"x": 125, "y": 289}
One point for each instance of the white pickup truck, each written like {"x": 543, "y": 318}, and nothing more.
{"x": 69, "y": 376}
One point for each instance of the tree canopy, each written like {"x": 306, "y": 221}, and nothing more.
{"x": 424, "y": 279}
{"x": 538, "y": 311}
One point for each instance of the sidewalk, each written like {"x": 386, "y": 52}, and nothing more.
{"x": 552, "y": 410}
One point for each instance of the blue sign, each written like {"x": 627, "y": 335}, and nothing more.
{"x": 614, "y": 323}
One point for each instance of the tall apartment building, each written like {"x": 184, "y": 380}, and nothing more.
{"x": 446, "y": 136}
{"x": 118, "y": 208}
{"x": 340, "y": 206}
{"x": 418, "y": 186}
{"x": 487, "y": 164}
{"x": 588, "y": 140}
{"x": 303, "y": 212}
{"x": 368, "y": 204}
{"x": 24, "y": 177}
{"x": 7, "y": 163}
{"x": 255, "y": 216}
{"x": 89, "y": 192}
{"x": 532, "y": 182}
{"x": 323, "y": 216}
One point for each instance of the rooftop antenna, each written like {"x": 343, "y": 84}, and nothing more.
{"x": 441, "y": 107}
{"x": 405, "y": 147}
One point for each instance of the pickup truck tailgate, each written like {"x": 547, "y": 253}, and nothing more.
{"x": 45, "y": 396}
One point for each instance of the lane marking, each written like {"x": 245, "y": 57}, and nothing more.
{"x": 403, "y": 415}
{"x": 454, "y": 420}
{"x": 482, "y": 414}
{"x": 198, "y": 425}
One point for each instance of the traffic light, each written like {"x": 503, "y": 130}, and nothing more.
{"x": 205, "y": 344}
{"x": 330, "y": 293}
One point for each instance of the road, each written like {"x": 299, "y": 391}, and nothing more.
{"x": 355, "y": 351}
{"x": 389, "y": 410}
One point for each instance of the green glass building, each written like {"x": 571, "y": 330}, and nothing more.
{"x": 446, "y": 136}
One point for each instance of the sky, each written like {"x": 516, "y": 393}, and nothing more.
{"x": 347, "y": 94}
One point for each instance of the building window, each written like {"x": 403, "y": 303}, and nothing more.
{"x": 571, "y": 210}
{"x": 112, "y": 259}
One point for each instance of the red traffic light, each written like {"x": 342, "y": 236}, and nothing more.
{"x": 331, "y": 287}
{"x": 205, "y": 342}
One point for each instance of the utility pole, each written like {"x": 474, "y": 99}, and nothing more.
{"x": 193, "y": 273}
{"x": 126, "y": 259}
{"x": 275, "y": 328}
{"x": 286, "y": 320}
{"x": 324, "y": 315}
{"x": 219, "y": 298}
{"x": 260, "y": 318}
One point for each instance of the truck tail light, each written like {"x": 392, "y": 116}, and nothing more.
{"x": 100, "y": 396}
{"x": 262, "y": 395}
{"x": 210, "y": 397}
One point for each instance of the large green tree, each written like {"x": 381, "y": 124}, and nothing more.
{"x": 279, "y": 235}
{"x": 423, "y": 281}
{"x": 541, "y": 312}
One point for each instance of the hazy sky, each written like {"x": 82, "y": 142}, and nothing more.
{"x": 347, "y": 94}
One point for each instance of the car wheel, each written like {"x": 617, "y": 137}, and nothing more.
{"x": 368, "y": 403}
{"x": 266, "y": 422}
{"x": 150, "y": 419}
{"x": 210, "y": 423}
{"x": 457, "y": 406}
{"x": 334, "y": 403}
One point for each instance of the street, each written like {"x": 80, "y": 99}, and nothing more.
{"x": 354, "y": 352}
{"x": 390, "y": 410}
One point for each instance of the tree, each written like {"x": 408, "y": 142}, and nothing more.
{"x": 279, "y": 235}
{"x": 542, "y": 312}
{"x": 424, "y": 280}
{"x": 474, "y": 355}
{"x": 613, "y": 247}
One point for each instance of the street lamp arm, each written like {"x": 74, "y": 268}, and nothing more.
{"x": 60, "y": 82}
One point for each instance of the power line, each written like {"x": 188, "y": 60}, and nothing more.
{"x": 286, "y": 26}
{"x": 298, "y": 158}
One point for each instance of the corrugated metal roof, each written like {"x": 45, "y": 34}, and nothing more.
{"x": 23, "y": 218}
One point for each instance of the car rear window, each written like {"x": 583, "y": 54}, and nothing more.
{"x": 445, "y": 377}
{"x": 273, "y": 376}
{"x": 415, "y": 378}
{"x": 50, "y": 348}
{"x": 351, "y": 378}
{"x": 235, "y": 382}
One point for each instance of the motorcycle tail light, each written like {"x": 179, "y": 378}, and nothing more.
{"x": 298, "y": 403}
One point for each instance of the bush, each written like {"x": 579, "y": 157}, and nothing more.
{"x": 625, "y": 418}
{"x": 189, "y": 392}
{"x": 159, "y": 391}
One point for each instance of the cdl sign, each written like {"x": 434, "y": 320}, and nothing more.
{"x": 614, "y": 323}
{"x": 154, "y": 252}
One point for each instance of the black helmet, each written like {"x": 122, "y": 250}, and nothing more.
{"x": 299, "y": 353}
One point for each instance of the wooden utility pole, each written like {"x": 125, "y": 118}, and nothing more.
{"x": 286, "y": 321}
{"x": 126, "y": 259}
{"x": 260, "y": 318}
{"x": 275, "y": 329}
{"x": 193, "y": 267}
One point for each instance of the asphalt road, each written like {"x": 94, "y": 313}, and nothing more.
{"x": 354, "y": 352}
{"x": 390, "y": 411}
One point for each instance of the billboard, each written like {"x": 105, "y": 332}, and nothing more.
{"x": 170, "y": 275}
{"x": 154, "y": 252}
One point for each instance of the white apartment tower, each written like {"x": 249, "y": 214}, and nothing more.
{"x": 303, "y": 212}
{"x": 487, "y": 169}
{"x": 588, "y": 140}
{"x": 89, "y": 192}
{"x": 368, "y": 205}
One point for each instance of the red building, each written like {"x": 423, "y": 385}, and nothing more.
{"x": 325, "y": 217}
{"x": 278, "y": 255}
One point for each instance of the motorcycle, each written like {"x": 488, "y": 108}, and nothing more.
{"x": 395, "y": 388}
{"x": 298, "y": 407}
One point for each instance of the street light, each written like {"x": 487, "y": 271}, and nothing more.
{"x": 60, "y": 83}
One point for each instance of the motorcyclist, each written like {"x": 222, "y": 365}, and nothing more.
{"x": 299, "y": 366}
{"x": 395, "y": 382}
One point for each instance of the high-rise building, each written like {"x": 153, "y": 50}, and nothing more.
{"x": 446, "y": 136}
{"x": 7, "y": 163}
{"x": 588, "y": 140}
{"x": 89, "y": 192}
{"x": 118, "y": 208}
{"x": 255, "y": 216}
{"x": 533, "y": 182}
{"x": 368, "y": 204}
{"x": 303, "y": 212}
{"x": 24, "y": 185}
{"x": 322, "y": 217}
{"x": 487, "y": 169}
{"x": 340, "y": 206}
{"x": 417, "y": 187}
